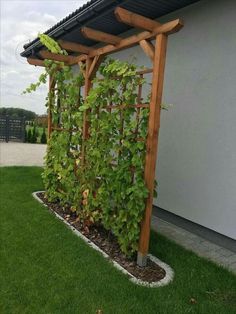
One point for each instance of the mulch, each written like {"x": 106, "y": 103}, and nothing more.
{"x": 107, "y": 242}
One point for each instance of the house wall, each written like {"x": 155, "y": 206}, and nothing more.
{"x": 196, "y": 168}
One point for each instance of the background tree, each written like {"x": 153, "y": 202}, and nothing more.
{"x": 18, "y": 113}
{"x": 43, "y": 139}
{"x": 29, "y": 136}
{"x": 26, "y": 136}
{"x": 34, "y": 135}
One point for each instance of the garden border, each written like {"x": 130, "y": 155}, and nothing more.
{"x": 163, "y": 282}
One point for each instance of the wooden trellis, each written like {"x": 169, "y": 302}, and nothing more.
{"x": 89, "y": 59}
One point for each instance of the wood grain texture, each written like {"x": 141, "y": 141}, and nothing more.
{"x": 51, "y": 89}
{"x": 57, "y": 57}
{"x": 152, "y": 137}
{"x": 100, "y": 36}
{"x": 74, "y": 47}
{"x": 148, "y": 48}
{"x": 135, "y": 20}
{"x": 97, "y": 60}
{"x": 167, "y": 28}
{"x": 87, "y": 86}
{"x": 36, "y": 62}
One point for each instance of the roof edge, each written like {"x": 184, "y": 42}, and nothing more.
{"x": 82, "y": 15}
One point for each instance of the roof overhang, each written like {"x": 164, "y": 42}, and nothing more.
{"x": 99, "y": 15}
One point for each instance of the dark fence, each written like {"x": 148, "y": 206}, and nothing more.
{"x": 12, "y": 129}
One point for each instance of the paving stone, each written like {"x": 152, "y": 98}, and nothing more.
{"x": 232, "y": 259}
{"x": 226, "y": 260}
{"x": 214, "y": 255}
{"x": 210, "y": 246}
{"x": 225, "y": 252}
{"x": 232, "y": 267}
{"x": 197, "y": 244}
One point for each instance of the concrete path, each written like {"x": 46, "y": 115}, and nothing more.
{"x": 195, "y": 243}
{"x": 21, "y": 154}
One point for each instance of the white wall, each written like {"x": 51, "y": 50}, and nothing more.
{"x": 196, "y": 168}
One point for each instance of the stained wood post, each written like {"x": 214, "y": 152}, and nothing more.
{"x": 49, "y": 107}
{"x": 152, "y": 143}
{"x": 87, "y": 86}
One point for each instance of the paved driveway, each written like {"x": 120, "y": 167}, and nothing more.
{"x": 21, "y": 154}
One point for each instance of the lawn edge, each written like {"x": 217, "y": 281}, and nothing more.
{"x": 163, "y": 282}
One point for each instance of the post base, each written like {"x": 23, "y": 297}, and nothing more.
{"x": 141, "y": 260}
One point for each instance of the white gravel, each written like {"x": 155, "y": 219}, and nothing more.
{"x": 163, "y": 282}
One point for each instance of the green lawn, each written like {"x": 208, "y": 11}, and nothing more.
{"x": 45, "y": 268}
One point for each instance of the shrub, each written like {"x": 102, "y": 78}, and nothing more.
{"x": 29, "y": 136}
{"x": 34, "y": 135}
{"x": 43, "y": 139}
{"x": 25, "y": 135}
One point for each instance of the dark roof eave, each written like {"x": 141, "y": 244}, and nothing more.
{"x": 87, "y": 12}
{"x": 88, "y": 15}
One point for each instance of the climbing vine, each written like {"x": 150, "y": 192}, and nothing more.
{"x": 107, "y": 187}
{"x": 115, "y": 152}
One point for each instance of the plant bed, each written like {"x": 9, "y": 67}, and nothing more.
{"x": 155, "y": 274}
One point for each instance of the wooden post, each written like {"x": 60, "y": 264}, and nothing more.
{"x": 87, "y": 86}
{"x": 49, "y": 107}
{"x": 152, "y": 143}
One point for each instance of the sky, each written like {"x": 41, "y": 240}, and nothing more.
{"x": 21, "y": 21}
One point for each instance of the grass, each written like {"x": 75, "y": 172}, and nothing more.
{"x": 45, "y": 268}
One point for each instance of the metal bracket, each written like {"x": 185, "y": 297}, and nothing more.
{"x": 141, "y": 260}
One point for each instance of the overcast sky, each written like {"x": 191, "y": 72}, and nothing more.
{"x": 21, "y": 21}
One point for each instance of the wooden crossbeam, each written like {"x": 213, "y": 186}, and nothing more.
{"x": 126, "y": 106}
{"x": 63, "y": 129}
{"x": 140, "y": 72}
{"x": 170, "y": 27}
{"x": 148, "y": 48}
{"x": 51, "y": 86}
{"x": 74, "y": 47}
{"x": 135, "y": 20}
{"x": 87, "y": 86}
{"x": 36, "y": 62}
{"x": 145, "y": 71}
{"x": 100, "y": 36}
{"x": 167, "y": 28}
{"x": 82, "y": 58}
{"x": 57, "y": 57}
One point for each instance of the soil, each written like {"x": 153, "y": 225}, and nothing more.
{"x": 107, "y": 242}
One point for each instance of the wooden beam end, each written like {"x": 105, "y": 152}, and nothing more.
{"x": 35, "y": 62}
{"x": 100, "y": 36}
{"x": 117, "y": 12}
{"x": 177, "y": 25}
{"x": 135, "y": 20}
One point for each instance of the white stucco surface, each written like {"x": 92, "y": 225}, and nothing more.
{"x": 196, "y": 168}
